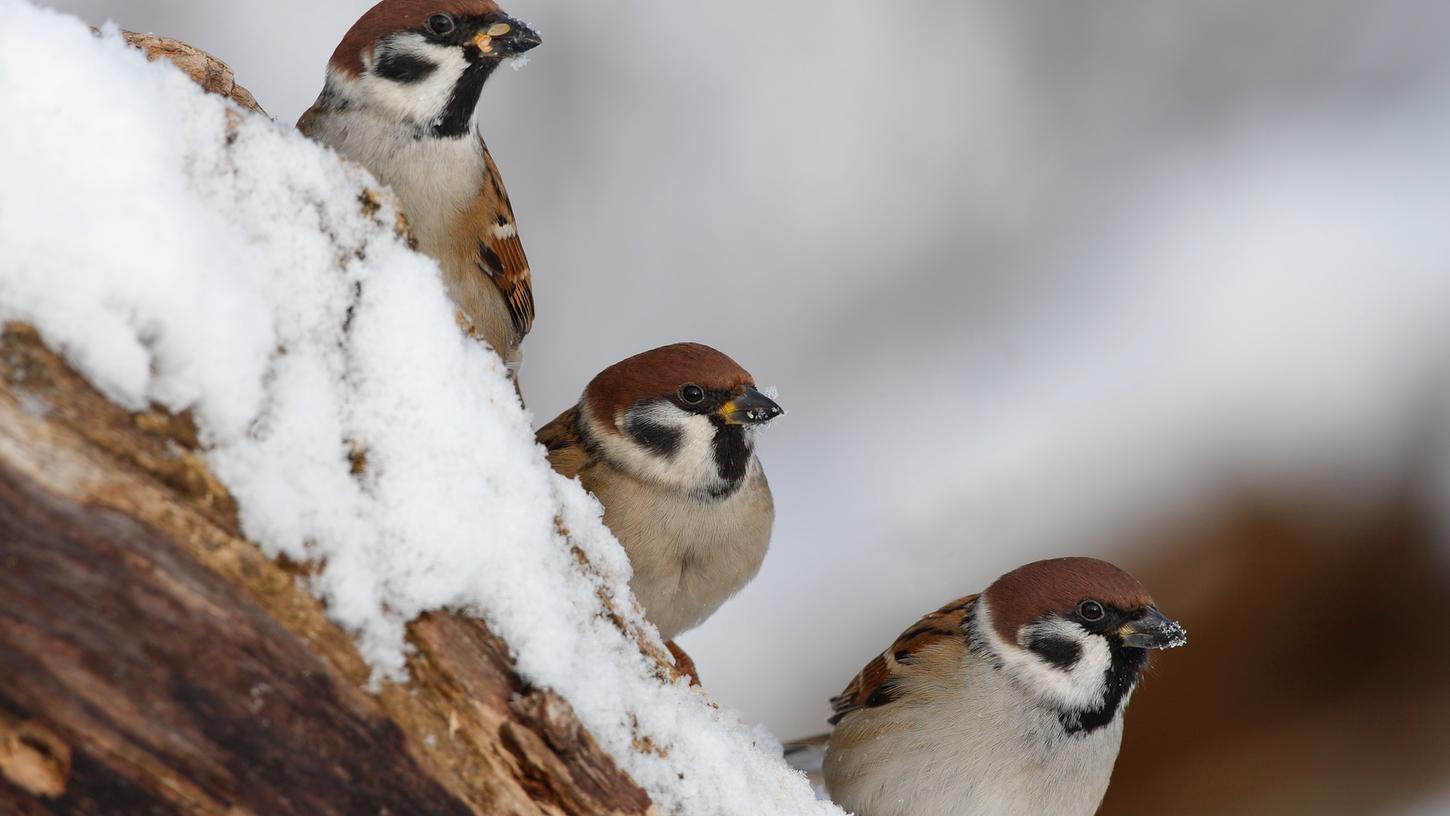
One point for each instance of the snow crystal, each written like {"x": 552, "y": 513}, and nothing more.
{"x": 235, "y": 274}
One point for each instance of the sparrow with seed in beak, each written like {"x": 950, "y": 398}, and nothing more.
{"x": 666, "y": 441}
{"x": 1008, "y": 703}
{"x": 399, "y": 99}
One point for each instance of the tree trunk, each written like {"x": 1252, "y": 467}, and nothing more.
{"x": 154, "y": 661}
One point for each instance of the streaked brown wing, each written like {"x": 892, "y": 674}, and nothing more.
{"x": 876, "y": 685}
{"x": 564, "y": 444}
{"x": 500, "y": 252}
{"x": 307, "y": 123}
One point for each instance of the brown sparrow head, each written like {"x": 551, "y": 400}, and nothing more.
{"x": 399, "y": 99}
{"x": 666, "y": 441}
{"x": 423, "y": 63}
{"x": 1008, "y": 702}
{"x": 681, "y": 416}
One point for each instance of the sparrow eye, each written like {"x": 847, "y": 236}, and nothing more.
{"x": 1090, "y": 611}
{"x": 693, "y": 394}
{"x": 441, "y": 24}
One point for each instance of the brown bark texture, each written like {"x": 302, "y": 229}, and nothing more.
{"x": 207, "y": 71}
{"x": 154, "y": 661}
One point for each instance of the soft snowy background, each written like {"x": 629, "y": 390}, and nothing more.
{"x": 1028, "y": 275}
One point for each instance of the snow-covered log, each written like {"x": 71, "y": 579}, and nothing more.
{"x": 204, "y": 69}
{"x": 156, "y": 661}
{"x": 274, "y": 533}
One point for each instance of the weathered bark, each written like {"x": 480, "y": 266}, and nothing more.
{"x": 154, "y": 661}
{"x": 207, "y": 71}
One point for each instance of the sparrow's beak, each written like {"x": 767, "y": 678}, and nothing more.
{"x": 506, "y": 38}
{"x": 750, "y": 408}
{"x": 1152, "y": 631}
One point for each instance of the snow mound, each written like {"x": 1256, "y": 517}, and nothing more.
{"x": 235, "y": 272}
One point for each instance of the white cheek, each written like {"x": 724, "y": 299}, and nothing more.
{"x": 423, "y": 101}
{"x": 695, "y": 460}
{"x": 1084, "y": 685}
{"x": 692, "y": 466}
{"x": 1081, "y": 688}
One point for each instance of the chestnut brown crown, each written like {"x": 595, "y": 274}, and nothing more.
{"x": 659, "y": 373}
{"x": 1059, "y": 585}
{"x": 392, "y": 16}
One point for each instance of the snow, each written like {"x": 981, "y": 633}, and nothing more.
{"x": 236, "y": 275}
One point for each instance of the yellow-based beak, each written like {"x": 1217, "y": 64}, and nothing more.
{"x": 750, "y": 408}
{"x": 1152, "y": 631}
{"x": 506, "y": 38}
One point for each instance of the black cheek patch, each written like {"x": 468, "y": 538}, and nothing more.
{"x": 659, "y": 439}
{"x": 404, "y": 68}
{"x": 1060, "y": 652}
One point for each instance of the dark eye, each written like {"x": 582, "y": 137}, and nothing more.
{"x": 441, "y": 24}
{"x": 693, "y": 394}
{"x": 1090, "y": 611}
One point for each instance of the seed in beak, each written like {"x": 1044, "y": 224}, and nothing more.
{"x": 498, "y": 29}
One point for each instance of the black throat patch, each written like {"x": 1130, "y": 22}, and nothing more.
{"x": 459, "y": 112}
{"x": 1120, "y": 678}
{"x": 732, "y": 457}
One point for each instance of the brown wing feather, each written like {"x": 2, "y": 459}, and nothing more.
{"x": 877, "y": 684}
{"x": 500, "y": 252}
{"x": 564, "y": 444}
{"x": 307, "y": 123}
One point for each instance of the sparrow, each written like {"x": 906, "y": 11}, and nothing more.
{"x": 1006, "y": 703}
{"x": 665, "y": 440}
{"x": 399, "y": 98}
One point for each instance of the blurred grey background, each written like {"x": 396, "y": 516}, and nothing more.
{"x": 1166, "y": 282}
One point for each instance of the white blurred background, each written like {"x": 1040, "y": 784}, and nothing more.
{"x": 1032, "y": 279}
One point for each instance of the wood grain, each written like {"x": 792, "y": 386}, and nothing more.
{"x": 156, "y": 662}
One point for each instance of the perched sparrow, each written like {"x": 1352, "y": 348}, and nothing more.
{"x": 399, "y": 100}
{"x": 1007, "y": 703}
{"x": 665, "y": 441}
